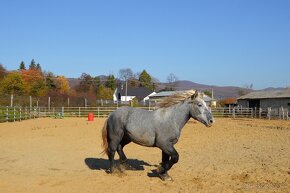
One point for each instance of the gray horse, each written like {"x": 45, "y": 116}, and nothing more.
{"x": 160, "y": 128}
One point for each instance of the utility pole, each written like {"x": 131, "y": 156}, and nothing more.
{"x": 126, "y": 90}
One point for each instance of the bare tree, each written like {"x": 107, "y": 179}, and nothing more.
{"x": 125, "y": 74}
{"x": 245, "y": 89}
{"x": 172, "y": 81}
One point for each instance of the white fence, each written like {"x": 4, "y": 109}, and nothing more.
{"x": 10, "y": 114}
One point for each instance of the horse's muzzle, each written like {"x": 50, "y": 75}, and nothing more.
{"x": 210, "y": 122}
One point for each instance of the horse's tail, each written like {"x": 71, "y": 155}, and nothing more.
{"x": 105, "y": 138}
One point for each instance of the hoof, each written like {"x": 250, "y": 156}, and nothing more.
{"x": 165, "y": 177}
{"x": 160, "y": 169}
{"x": 113, "y": 170}
{"x": 109, "y": 171}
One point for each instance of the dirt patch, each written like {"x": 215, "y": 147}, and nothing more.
{"x": 63, "y": 155}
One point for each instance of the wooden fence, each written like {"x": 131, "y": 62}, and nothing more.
{"x": 12, "y": 114}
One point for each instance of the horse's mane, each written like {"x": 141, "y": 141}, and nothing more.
{"x": 175, "y": 98}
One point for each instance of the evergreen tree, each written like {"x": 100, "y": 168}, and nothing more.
{"x": 32, "y": 65}
{"x": 49, "y": 80}
{"x": 145, "y": 80}
{"x": 96, "y": 82}
{"x": 22, "y": 66}
{"x": 38, "y": 67}
{"x": 3, "y": 71}
{"x": 111, "y": 82}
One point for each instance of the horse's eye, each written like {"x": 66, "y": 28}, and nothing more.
{"x": 199, "y": 104}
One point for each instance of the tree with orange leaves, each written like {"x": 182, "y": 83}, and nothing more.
{"x": 34, "y": 82}
{"x": 62, "y": 85}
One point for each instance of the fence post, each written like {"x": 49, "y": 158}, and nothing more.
{"x": 38, "y": 112}
{"x": 98, "y": 112}
{"x": 14, "y": 114}
{"x": 7, "y": 114}
{"x": 252, "y": 112}
{"x": 79, "y": 111}
{"x": 25, "y": 111}
{"x": 283, "y": 113}
{"x": 269, "y": 113}
{"x": 20, "y": 114}
{"x": 234, "y": 114}
{"x": 62, "y": 111}
{"x": 260, "y": 113}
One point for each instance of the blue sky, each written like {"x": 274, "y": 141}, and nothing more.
{"x": 234, "y": 42}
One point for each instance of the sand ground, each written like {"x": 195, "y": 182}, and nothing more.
{"x": 63, "y": 155}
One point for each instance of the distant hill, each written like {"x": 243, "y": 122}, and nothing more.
{"x": 220, "y": 92}
{"x": 73, "y": 82}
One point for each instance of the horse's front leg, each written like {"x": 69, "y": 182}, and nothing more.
{"x": 169, "y": 158}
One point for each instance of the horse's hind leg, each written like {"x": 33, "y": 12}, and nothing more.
{"x": 120, "y": 151}
{"x": 169, "y": 158}
{"x": 112, "y": 148}
{"x": 123, "y": 158}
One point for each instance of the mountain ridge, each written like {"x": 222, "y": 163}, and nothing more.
{"x": 219, "y": 92}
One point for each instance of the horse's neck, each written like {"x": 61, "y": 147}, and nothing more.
{"x": 180, "y": 114}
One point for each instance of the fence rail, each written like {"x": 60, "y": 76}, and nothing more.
{"x": 12, "y": 114}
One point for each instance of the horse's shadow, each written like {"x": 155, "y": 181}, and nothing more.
{"x": 103, "y": 164}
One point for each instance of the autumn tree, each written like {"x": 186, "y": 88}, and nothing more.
{"x": 105, "y": 93}
{"x": 12, "y": 84}
{"x": 38, "y": 88}
{"x": 34, "y": 82}
{"x": 86, "y": 83}
{"x": 62, "y": 85}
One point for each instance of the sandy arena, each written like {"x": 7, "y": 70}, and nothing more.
{"x": 63, "y": 155}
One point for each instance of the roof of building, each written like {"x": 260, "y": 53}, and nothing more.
{"x": 165, "y": 93}
{"x": 168, "y": 93}
{"x": 140, "y": 93}
{"x": 267, "y": 94}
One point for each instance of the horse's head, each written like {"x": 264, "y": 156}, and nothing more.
{"x": 200, "y": 111}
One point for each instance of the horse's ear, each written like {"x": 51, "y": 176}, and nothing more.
{"x": 195, "y": 95}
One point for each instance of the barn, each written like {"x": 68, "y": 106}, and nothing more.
{"x": 141, "y": 94}
{"x": 265, "y": 99}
